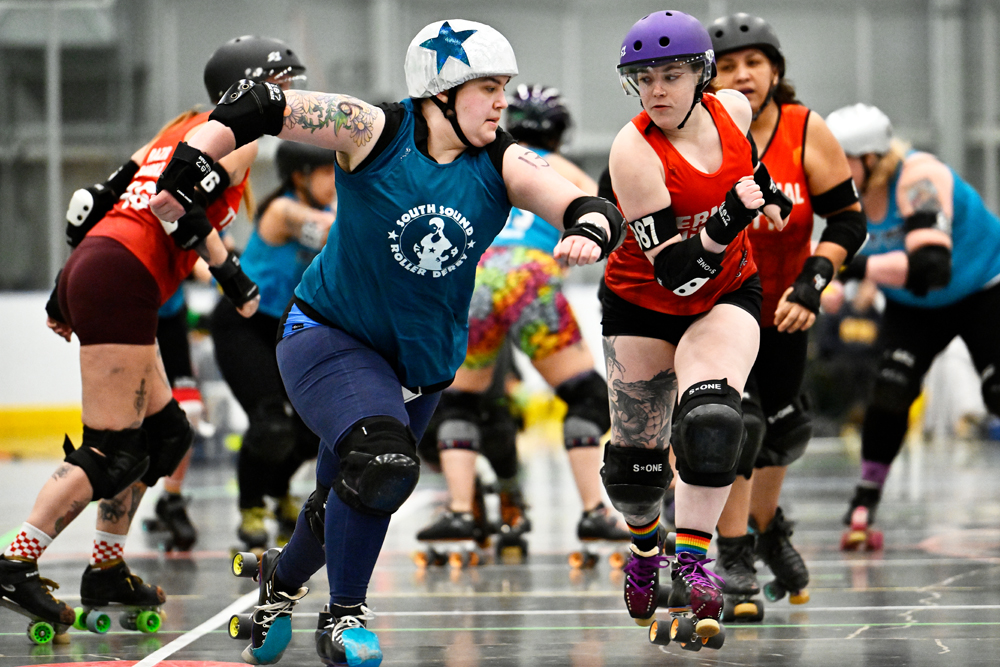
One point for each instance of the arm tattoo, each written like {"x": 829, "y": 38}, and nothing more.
{"x": 534, "y": 159}
{"x": 924, "y": 197}
{"x": 140, "y": 397}
{"x": 640, "y": 411}
{"x": 74, "y": 511}
{"x": 317, "y": 111}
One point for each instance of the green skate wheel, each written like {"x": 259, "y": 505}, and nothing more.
{"x": 774, "y": 591}
{"x": 41, "y": 632}
{"x": 148, "y": 621}
{"x": 98, "y": 622}
{"x": 80, "y": 622}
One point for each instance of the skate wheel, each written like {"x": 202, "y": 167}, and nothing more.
{"x": 875, "y": 541}
{"x": 617, "y": 560}
{"x": 681, "y": 629}
{"x": 240, "y": 626}
{"x": 717, "y": 641}
{"x": 61, "y": 639}
{"x": 694, "y": 645}
{"x": 657, "y": 637}
{"x": 127, "y": 619}
{"x": 799, "y": 598}
{"x": 456, "y": 560}
{"x": 80, "y": 622}
{"x": 512, "y": 554}
{"x": 148, "y": 621}
{"x": 774, "y": 591}
{"x": 745, "y": 610}
{"x": 576, "y": 560}
{"x": 420, "y": 559}
{"x": 97, "y": 622}
{"x": 245, "y": 564}
{"x": 845, "y": 542}
{"x": 707, "y": 628}
{"x": 41, "y": 632}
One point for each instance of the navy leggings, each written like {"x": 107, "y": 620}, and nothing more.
{"x": 334, "y": 381}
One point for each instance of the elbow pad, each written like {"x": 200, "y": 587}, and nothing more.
{"x": 575, "y": 227}
{"x": 684, "y": 267}
{"x": 89, "y": 205}
{"x": 771, "y": 192}
{"x": 929, "y": 268}
{"x": 251, "y": 110}
{"x": 848, "y": 229}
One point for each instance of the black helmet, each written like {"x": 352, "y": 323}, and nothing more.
{"x": 250, "y": 57}
{"x": 293, "y": 156}
{"x": 744, "y": 31}
{"x": 536, "y": 115}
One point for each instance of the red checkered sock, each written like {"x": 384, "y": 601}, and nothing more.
{"x": 108, "y": 549}
{"x": 29, "y": 544}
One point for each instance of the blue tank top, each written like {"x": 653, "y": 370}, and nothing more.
{"x": 399, "y": 265}
{"x": 173, "y": 305}
{"x": 276, "y": 269}
{"x": 527, "y": 229}
{"x": 975, "y": 236}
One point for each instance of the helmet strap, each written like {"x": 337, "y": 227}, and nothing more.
{"x": 767, "y": 100}
{"x": 448, "y": 109}
{"x": 697, "y": 100}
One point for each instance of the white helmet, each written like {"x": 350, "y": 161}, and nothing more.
{"x": 861, "y": 129}
{"x": 446, "y": 54}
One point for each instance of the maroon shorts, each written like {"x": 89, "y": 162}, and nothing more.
{"x": 108, "y": 295}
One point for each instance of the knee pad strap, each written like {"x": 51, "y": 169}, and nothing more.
{"x": 378, "y": 466}
{"x": 708, "y": 434}
{"x": 636, "y": 478}
{"x": 170, "y": 436}
{"x": 788, "y": 433}
{"x": 753, "y": 422}
{"x": 125, "y": 459}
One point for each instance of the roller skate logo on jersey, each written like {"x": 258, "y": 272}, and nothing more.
{"x": 431, "y": 240}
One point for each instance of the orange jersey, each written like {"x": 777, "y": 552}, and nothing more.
{"x": 132, "y": 224}
{"x": 780, "y": 255}
{"x": 694, "y": 197}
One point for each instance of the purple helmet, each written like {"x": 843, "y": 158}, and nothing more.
{"x": 665, "y": 37}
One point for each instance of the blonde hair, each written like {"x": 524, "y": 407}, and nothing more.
{"x": 887, "y": 164}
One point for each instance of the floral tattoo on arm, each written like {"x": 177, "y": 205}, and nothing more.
{"x": 318, "y": 111}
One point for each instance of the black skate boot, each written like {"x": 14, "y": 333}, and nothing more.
{"x": 23, "y": 591}
{"x": 514, "y": 524}
{"x": 696, "y": 594}
{"x": 171, "y": 511}
{"x": 774, "y": 547}
{"x": 455, "y": 538}
{"x": 269, "y": 627}
{"x": 859, "y": 520}
{"x": 741, "y": 590}
{"x": 599, "y": 531}
{"x": 343, "y": 639}
{"x": 103, "y": 587}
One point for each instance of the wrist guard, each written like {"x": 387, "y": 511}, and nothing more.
{"x": 725, "y": 224}
{"x": 52, "y": 308}
{"x": 817, "y": 272}
{"x": 187, "y": 168}
{"x": 684, "y": 267}
{"x": 251, "y": 110}
{"x": 772, "y": 193}
{"x": 190, "y": 229}
{"x": 575, "y": 227}
{"x": 235, "y": 284}
{"x": 88, "y": 205}
{"x": 655, "y": 229}
{"x": 930, "y": 268}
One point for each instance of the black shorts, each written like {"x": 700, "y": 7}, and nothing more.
{"x": 624, "y": 318}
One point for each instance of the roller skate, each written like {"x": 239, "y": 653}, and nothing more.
{"x": 343, "y": 639}
{"x": 791, "y": 576}
{"x": 511, "y": 547}
{"x": 287, "y": 514}
{"x": 741, "y": 590}
{"x": 599, "y": 532}
{"x": 172, "y": 522}
{"x": 269, "y": 627}
{"x": 642, "y": 583}
{"x": 696, "y": 604}
{"x": 116, "y": 586}
{"x": 454, "y": 538}
{"x": 252, "y": 531}
{"x": 860, "y": 518}
{"x": 24, "y": 592}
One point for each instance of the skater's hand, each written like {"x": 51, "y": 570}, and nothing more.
{"x": 61, "y": 328}
{"x": 791, "y": 317}
{"x": 576, "y": 251}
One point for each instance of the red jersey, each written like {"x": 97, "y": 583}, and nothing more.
{"x": 780, "y": 255}
{"x": 132, "y": 224}
{"x": 694, "y": 197}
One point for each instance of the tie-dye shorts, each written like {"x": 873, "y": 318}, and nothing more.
{"x": 518, "y": 293}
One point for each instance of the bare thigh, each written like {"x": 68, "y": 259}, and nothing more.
{"x": 642, "y": 386}
{"x": 121, "y": 385}
{"x": 722, "y": 344}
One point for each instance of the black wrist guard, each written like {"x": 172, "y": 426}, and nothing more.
{"x": 251, "y": 110}
{"x": 52, "y": 308}
{"x": 88, "y": 205}
{"x": 190, "y": 229}
{"x": 186, "y": 169}
{"x": 684, "y": 267}
{"x": 576, "y": 227}
{"x": 854, "y": 269}
{"x": 817, "y": 272}
{"x": 930, "y": 268}
{"x": 724, "y": 225}
{"x": 655, "y": 229}
{"x": 235, "y": 284}
{"x": 772, "y": 193}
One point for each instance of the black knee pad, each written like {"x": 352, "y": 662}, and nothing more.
{"x": 170, "y": 436}
{"x": 635, "y": 478}
{"x": 498, "y": 441}
{"x": 461, "y": 415}
{"x": 272, "y": 435}
{"x": 991, "y": 390}
{"x": 788, "y": 432}
{"x": 378, "y": 466}
{"x": 708, "y": 433}
{"x": 125, "y": 459}
{"x": 588, "y": 415}
{"x": 753, "y": 422}
{"x": 897, "y": 383}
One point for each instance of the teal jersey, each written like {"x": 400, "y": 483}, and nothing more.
{"x": 975, "y": 255}
{"x": 275, "y": 269}
{"x": 527, "y": 229}
{"x": 399, "y": 265}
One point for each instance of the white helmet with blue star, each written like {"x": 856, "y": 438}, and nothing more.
{"x": 446, "y": 54}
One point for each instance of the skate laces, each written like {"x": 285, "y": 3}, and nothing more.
{"x": 344, "y": 623}
{"x": 692, "y": 570}
{"x": 640, "y": 571}
{"x": 267, "y": 613}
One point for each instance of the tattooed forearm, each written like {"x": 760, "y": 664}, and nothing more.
{"x": 74, "y": 511}
{"x": 318, "y": 111}
{"x": 923, "y": 196}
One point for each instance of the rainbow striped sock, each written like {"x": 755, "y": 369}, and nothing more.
{"x": 644, "y": 537}
{"x": 692, "y": 541}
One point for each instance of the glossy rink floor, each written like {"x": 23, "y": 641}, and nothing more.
{"x": 931, "y": 598}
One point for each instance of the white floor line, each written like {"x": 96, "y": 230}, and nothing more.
{"x": 191, "y": 636}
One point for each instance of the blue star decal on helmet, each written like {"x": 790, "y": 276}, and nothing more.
{"x": 448, "y": 44}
